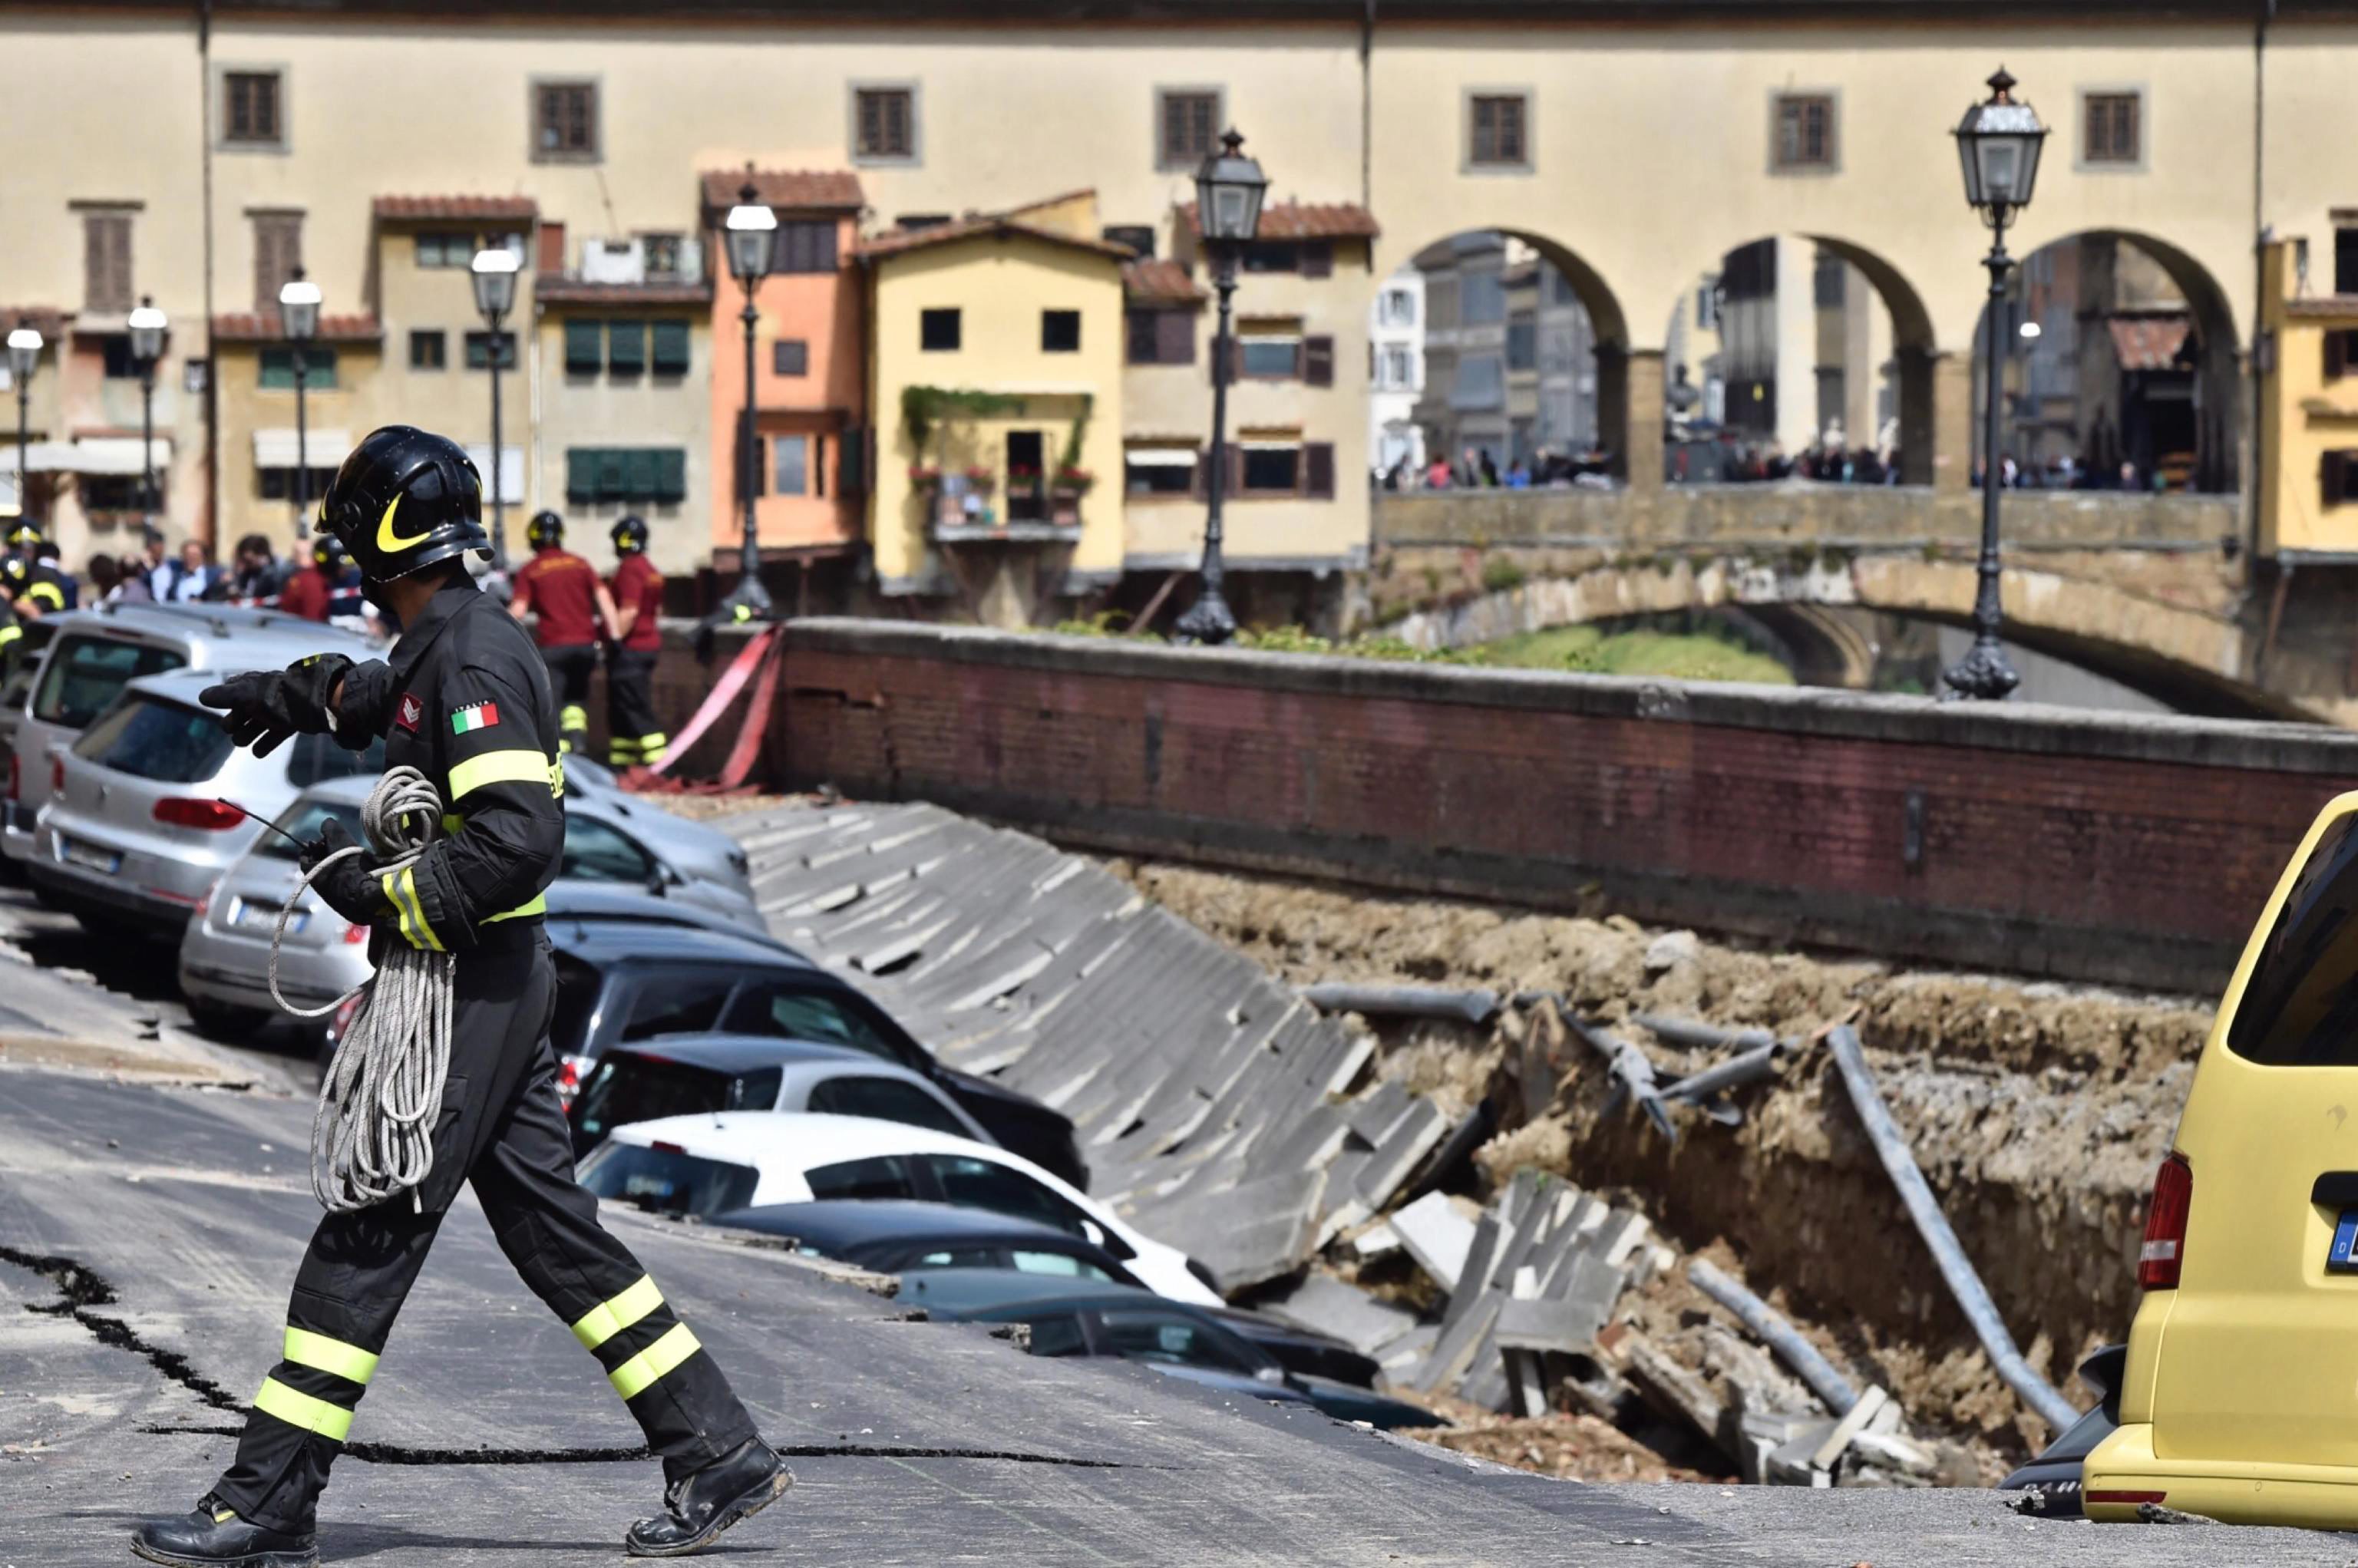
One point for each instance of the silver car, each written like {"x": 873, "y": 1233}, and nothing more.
{"x": 143, "y": 815}
{"x": 226, "y": 950}
{"x": 91, "y": 654}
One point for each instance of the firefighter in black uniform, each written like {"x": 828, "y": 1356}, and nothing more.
{"x": 13, "y": 581}
{"x": 466, "y": 702}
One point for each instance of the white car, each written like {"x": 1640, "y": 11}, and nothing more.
{"x": 712, "y": 1163}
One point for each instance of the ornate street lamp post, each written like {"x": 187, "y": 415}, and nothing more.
{"x": 751, "y": 228}
{"x": 24, "y": 359}
{"x": 1999, "y": 145}
{"x": 1229, "y": 189}
{"x": 147, "y": 326}
{"x": 298, "y": 319}
{"x": 495, "y": 282}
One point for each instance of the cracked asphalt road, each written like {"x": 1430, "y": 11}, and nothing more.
{"x": 149, "y": 1227}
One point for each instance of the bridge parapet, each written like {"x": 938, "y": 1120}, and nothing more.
{"x": 1798, "y": 513}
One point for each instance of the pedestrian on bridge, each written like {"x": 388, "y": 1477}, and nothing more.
{"x": 464, "y": 701}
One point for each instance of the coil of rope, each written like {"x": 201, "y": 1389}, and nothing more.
{"x": 372, "y": 1132}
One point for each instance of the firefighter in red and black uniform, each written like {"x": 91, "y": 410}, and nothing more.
{"x": 574, "y": 609}
{"x": 633, "y": 734}
{"x": 306, "y": 592}
{"x": 466, "y": 702}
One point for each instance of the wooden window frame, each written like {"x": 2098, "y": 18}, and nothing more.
{"x": 956, "y": 324}
{"x": 1167, "y": 160}
{"x": 104, "y": 294}
{"x": 2084, "y": 158}
{"x": 1471, "y": 159}
{"x": 535, "y": 104}
{"x": 1801, "y": 99}
{"x": 808, "y": 247}
{"x": 915, "y": 151}
{"x": 419, "y": 337}
{"x": 226, "y": 76}
{"x": 1058, "y": 317}
{"x": 790, "y": 357}
{"x": 503, "y": 343}
{"x": 2338, "y": 478}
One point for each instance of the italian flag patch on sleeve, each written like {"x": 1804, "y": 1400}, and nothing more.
{"x": 481, "y": 716}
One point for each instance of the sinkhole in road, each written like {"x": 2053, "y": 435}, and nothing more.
{"x": 82, "y": 1290}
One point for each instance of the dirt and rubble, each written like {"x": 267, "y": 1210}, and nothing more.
{"x": 2038, "y": 1112}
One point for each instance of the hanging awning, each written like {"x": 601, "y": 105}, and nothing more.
{"x": 92, "y": 454}
{"x": 322, "y": 449}
{"x": 1160, "y": 457}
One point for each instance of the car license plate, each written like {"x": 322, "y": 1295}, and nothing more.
{"x": 2342, "y": 1258}
{"x": 93, "y": 856}
{"x": 262, "y": 917}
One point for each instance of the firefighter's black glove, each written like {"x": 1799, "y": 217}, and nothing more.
{"x": 348, "y": 887}
{"x": 266, "y": 707}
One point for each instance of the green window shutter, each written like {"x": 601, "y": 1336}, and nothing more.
{"x": 585, "y": 348}
{"x": 670, "y": 473}
{"x": 613, "y": 474}
{"x": 277, "y": 367}
{"x": 580, "y": 474}
{"x": 671, "y": 348}
{"x": 643, "y": 473}
{"x": 626, "y": 347}
{"x": 320, "y": 367}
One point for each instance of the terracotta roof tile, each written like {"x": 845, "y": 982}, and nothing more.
{"x": 807, "y": 190}
{"x": 903, "y": 240}
{"x": 1160, "y": 282}
{"x": 1307, "y": 220}
{"x": 2149, "y": 342}
{"x": 262, "y": 327}
{"x": 554, "y": 290}
{"x": 403, "y": 208}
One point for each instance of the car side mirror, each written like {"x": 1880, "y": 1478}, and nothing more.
{"x": 656, "y": 881}
{"x": 1093, "y": 1231}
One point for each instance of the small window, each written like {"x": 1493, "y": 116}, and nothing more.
{"x": 115, "y": 358}
{"x": 658, "y": 474}
{"x": 100, "y": 492}
{"x": 565, "y": 120}
{"x": 596, "y": 852}
{"x": 795, "y": 1010}
{"x": 1499, "y": 134}
{"x": 1523, "y": 345}
{"x": 429, "y": 351}
{"x": 885, "y": 123}
{"x": 626, "y": 347}
{"x": 1160, "y": 471}
{"x": 938, "y": 329}
{"x": 970, "y": 1183}
{"x": 804, "y": 245}
{"x": 790, "y": 467}
{"x": 671, "y": 340}
{"x": 585, "y": 347}
{"x": 278, "y": 368}
{"x": 1060, "y": 331}
{"x": 1805, "y": 131}
{"x": 278, "y": 484}
{"x": 106, "y": 264}
{"x": 1188, "y": 124}
{"x": 2337, "y": 473}
{"x": 2345, "y": 261}
{"x": 790, "y": 356}
{"x": 2110, "y": 128}
{"x": 479, "y": 349}
{"x": 437, "y": 249}
{"x": 662, "y": 252}
{"x": 918, "y": 223}
{"x": 885, "y": 1100}
{"x": 1273, "y": 256}
{"x": 1142, "y": 342}
{"x": 250, "y": 109}
{"x": 1139, "y": 237}
{"x": 2341, "y": 351}
{"x": 1270, "y": 359}
{"x": 885, "y": 1176}
{"x": 1271, "y": 470}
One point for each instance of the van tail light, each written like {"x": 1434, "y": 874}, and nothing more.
{"x": 15, "y": 778}
{"x": 355, "y": 934}
{"x": 57, "y": 773}
{"x": 2165, "y": 1225}
{"x": 206, "y": 815}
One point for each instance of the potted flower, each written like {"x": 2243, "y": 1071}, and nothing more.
{"x": 1073, "y": 482}
{"x": 925, "y": 477}
{"x": 980, "y": 480}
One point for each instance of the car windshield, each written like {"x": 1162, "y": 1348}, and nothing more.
{"x": 630, "y": 1087}
{"x": 796, "y": 1008}
{"x": 596, "y": 852}
{"x": 86, "y": 673}
{"x": 151, "y": 738}
{"x": 666, "y": 1180}
{"x": 1146, "y": 1335}
{"x": 306, "y": 820}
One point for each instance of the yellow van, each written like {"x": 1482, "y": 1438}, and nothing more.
{"x": 2240, "y": 1400}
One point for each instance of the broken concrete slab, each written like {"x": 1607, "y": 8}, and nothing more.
{"x": 1437, "y": 1237}
{"x": 1324, "y": 1304}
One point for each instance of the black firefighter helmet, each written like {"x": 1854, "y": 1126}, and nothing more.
{"x": 404, "y": 501}
{"x": 545, "y": 530}
{"x": 24, "y": 534}
{"x": 629, "y": 535}
{"x": 327, "y": 552}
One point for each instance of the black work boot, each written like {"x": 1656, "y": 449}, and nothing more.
{"x": 214, "y": 1537}
{"x": 700, "y": 1505}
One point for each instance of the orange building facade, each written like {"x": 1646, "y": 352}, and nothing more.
{"x": 808, "y": 382}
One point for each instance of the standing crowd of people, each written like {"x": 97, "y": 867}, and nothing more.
{"x": 574, "y": 612}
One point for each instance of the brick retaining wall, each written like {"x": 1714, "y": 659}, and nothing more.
{"x": 2043, "y": 840}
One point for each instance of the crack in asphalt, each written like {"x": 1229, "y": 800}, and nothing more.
{"x": 83, "y": 1288}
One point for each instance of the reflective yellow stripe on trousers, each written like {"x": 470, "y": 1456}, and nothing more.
{"x": 298, "y": 1408}
{"x": 318, "y": 1351}
{"x": 609, "y": 1318}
